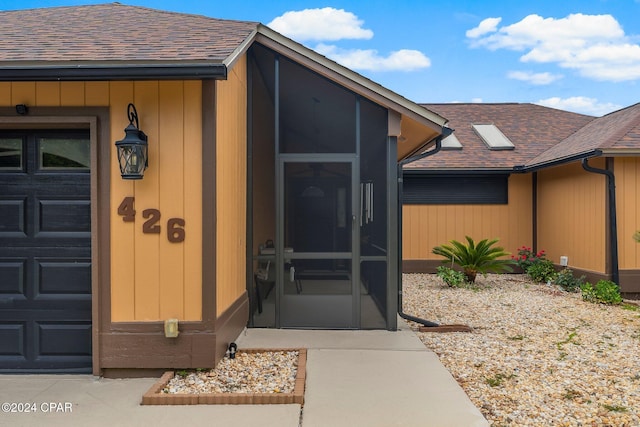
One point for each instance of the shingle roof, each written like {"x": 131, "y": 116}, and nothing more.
{"x": 619, "y": 130}
{"x": 116, "y": 32}
{"x": 533, "y": 129}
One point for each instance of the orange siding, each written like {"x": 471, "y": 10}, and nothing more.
{"x": 193, "y": 199}
{"x": 571, "y": 215}
{"x": 23, "y": 93}
{"x": 48, "y": 94}
{"x": 123, "y": 283}
{"x": 5, "y": 94}
{"x": 151, "y": 278}
{"x": 427, "y": 226}
{"x": 627, "y": 172}
{"x": 164, "y": 272}
{"x": 231, "y": 166}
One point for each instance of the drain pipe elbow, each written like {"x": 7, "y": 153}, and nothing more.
{"x": 613, "y": 225}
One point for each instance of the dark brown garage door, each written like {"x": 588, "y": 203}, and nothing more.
{"x": 45, "y": 251}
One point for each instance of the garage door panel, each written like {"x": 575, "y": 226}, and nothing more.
{"x": 64, "y": 277}
{"x": 13, "y": 221}
{"x": 65, "y": 216}
{"x": 12, "y": 274}
{"x": 63, "y": 339}
{"x": 12, "y": 340}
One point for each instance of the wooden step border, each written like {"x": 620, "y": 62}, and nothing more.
{"x": 154, "y": 395}
{"x": 445, "y": 328}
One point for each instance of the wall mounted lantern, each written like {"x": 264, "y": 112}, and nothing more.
{"x": 132, "y": 149}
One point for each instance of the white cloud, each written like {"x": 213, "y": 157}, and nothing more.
{"x": 489, "y": 25}
{"x": 594, "y": 45}
{"x": 320, "y": 24}
{"x": 580, "y": 104}
{"x": 476, "y": 100}
{"x": 371, "y": 60}
{"x": 537, "y": 79}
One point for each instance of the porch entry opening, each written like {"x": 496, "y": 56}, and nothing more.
{"x": 319, "y": 225}
{"x": 322, "y": 174}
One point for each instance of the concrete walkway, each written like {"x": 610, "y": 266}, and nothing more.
{"x": 354, "y": 378}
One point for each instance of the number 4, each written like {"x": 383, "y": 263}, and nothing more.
{"x": 126, "y": 209}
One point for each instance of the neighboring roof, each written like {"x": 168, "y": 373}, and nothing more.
{"x": 616, "y": 133}
{"x": 117, "y": 42}
{"x": 531, "y": 128}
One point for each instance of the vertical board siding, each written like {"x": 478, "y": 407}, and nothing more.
{"x": 192, "y": 197}
{"x": 171, "y": 199}
{"x": 147, "y": 196}
{"x": 48, "y": 94}
{"x": 151, "y": 278}
{"x": 572, "y": 215}
{"x": 23, "y": 93}
{"x": 627, "y": 172}
{"x": 231, "y": 155}
{"x": 427, "y": 226}
{"x": 123, "y": 283}
{"x": 5, "y": 94}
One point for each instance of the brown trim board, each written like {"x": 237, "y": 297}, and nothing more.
{"x": 630, "y": 283}
{"x": 131, "y": 347}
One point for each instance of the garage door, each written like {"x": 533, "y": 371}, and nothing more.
{"x": 45, "y": 251}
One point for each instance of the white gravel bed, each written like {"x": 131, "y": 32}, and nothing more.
{"x": 537, "y": 356}
{"x": 262, "y": 372}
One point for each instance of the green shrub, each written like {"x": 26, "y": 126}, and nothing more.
{"x": 451, "y": 277}
{"x": 567, "y": 281}
{"x": 542, "y": 271}
{"x": 475, "y": 258}
{"x": 605, "y": 292}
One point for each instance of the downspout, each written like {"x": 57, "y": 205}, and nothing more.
{"x": 445, "y": 132}
{"x": 613, "y": 225}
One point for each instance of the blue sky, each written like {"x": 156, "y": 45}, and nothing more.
{"x": 581, "y": 56}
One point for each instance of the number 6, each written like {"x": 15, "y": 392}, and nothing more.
{"x": 175, "y": 232}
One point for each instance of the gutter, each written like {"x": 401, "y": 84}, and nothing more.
{"x": 539, "y": 166}
{"x": 113, "y": 72}
{"x": 613, "y": 224}
{"x": 445, "y": 132}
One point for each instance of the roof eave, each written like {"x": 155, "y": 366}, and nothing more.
{"x": 119, "y": 71}
{"x": 456, "y": 171}
{"x": 534, "y": 167}
{"x": 620, "y": 152}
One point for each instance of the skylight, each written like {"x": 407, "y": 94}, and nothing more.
{"x": 451, "y": 143}
{"x": 493, "y": 137}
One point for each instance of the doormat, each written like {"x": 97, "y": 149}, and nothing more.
{"x": 156, "y": 396}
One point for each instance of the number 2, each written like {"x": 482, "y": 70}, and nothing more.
{"x": 151, "y": 225}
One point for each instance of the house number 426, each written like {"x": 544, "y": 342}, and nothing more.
{"x": 175, "y": 226}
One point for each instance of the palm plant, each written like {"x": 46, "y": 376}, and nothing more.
{"x": 474, "y": 258}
